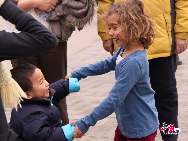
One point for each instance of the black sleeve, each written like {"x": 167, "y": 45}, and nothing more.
{"x": 33, "y": 39}
{"x": 62, "y": 90}
{"x": 3, "y": 122}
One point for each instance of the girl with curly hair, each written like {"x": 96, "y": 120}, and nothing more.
{"x": 131, "y": 98}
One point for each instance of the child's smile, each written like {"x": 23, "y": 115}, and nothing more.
{"x": 47, "y": 91}
{"x": 116, "y": 39}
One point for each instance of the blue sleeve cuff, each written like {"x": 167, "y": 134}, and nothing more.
{"x": 74, "y": 85}
{"x": 69, "y": 131}
{"x": 82, "y": 126}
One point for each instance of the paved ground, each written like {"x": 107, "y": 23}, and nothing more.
{"x": 95, "y": 89}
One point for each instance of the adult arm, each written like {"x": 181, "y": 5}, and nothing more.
{"x": 42, "y": 5}
{"x": 33, "y": 39}
{"x": 181, "y": 30}
{"x": 1, "y": 2}
{"x": 102, "y": 27}
{"x": 3, "y": 123}
{"x": 128, "y": 77}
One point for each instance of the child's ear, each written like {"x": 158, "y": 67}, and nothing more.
{"x": 28, "y": 95}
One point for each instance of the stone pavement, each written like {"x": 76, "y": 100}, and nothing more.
{"x": 95, "y": 89}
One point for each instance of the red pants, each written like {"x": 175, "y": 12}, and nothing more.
{"x": 120, "y": 137}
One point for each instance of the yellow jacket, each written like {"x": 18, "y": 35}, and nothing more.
{"x": 163, "y": 13}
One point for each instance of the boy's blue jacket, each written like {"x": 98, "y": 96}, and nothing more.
{"x": 131, "y": 97}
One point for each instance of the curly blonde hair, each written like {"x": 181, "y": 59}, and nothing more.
{"x": 133, "y": 18}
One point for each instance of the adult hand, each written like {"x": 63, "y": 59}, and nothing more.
{"x": 46, "y": 5}
{"x": 108, "y": 46}
{"x": 38, "y": 10}
{"x": 1, "y": 2}
{"x": 41, "y": 5}
{"x": 67, "y": 77}
{"x": 77, "y": 132}
{"x": 181, "y": 45}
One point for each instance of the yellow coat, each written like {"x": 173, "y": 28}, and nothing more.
{"x": 160, "y": 12}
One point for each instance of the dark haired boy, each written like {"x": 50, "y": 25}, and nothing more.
{"x": 38, "y": 119}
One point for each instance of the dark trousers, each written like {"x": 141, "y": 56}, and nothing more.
{"x": 53, "y": 65}
{"x": 162, "y": 76}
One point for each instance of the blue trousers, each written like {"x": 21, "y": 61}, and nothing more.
{"x": 162, "y": 76}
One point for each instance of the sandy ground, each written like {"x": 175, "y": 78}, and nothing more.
{"x": 78, "y": 40}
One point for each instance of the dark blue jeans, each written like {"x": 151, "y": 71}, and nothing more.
{"x": 162, "y": 76}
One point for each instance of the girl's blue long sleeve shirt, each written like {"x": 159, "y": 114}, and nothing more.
{"x": 131, "y": 97}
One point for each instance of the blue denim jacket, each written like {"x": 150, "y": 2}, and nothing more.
{"x": 131, "y": 97}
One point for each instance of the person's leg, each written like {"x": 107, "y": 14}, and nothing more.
{"x": 53, "y": 64}
{"x": 120, "y": 137}
{"x": 32, "y": 60}
{"x": 163, "y": 81}
{"x": 179, "y": 61}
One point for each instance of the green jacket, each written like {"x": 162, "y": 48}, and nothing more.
{"x": 171, "y": 20}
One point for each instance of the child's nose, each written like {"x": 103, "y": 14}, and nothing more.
{"x": 110, "y": 33}
{"x": 47, "y": 83}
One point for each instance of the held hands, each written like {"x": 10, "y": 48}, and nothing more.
{"x": 68, "y": 131}
{"x": 67, "y": 77}
{"x": 77, "y": 132}
{"x": 108, "y": 46}
{"x": 181, "y": 45}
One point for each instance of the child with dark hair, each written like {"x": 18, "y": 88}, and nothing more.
{"x": 37, "y": 119}
{"x": 131, "y": 97}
